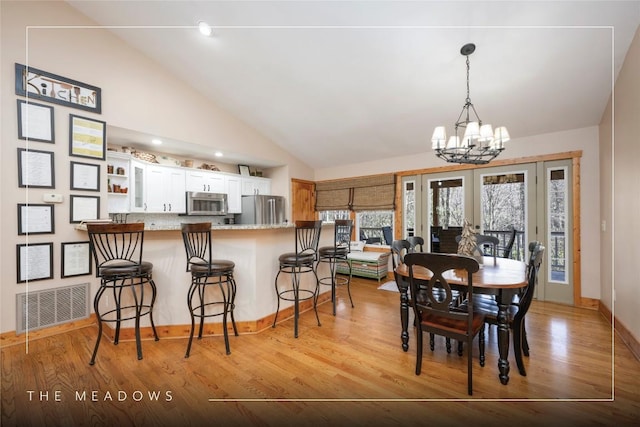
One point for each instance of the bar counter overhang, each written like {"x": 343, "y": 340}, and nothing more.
{"x": 253, "y": 248}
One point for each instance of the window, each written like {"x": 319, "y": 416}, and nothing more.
{"x": 369, "y": 226}
{"x": 331, "y": 216}
{"x": 557, "y": 201}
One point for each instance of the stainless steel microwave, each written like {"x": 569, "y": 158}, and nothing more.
{"x": 206, "y": 203}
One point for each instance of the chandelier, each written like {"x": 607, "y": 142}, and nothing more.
{"x": 479, "y": 143}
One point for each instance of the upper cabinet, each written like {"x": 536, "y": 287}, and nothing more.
{"x": 233, "y": 188}
{"x": 137, "y": 193}
{"x": 165, "y": 189}
{"x": 139, "y": 186}
{"x": 252, "y": 185}
{"x": 205, "y": 181}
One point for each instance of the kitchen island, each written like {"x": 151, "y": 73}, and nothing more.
{"x": 253, "y": 248}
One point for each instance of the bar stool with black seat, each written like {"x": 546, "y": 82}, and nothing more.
{"x": 117, "y": 252}
{"x": 302, "y": 260}
{"x": 208, "y": 274}
{"x": 335, "y": 254}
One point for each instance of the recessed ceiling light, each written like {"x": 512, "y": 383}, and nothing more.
{"x": 205, "y": 29}
{"x": 156, "y": 142}
{"x": 218, "y": 154}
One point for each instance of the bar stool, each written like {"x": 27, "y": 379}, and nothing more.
{"x": 117, "y": 252}
{"x": 336, "y": 254}
{"x": 303, "y": 260}
{"x": 208, "y": 274}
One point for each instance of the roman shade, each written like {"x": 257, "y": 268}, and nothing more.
{"x": 333, "y": 195}
{"x": 377, "y": 192}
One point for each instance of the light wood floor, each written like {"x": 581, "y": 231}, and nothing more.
{"x": 349, "y": 371}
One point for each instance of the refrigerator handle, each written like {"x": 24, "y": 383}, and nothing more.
{"x": 272, "y": 211}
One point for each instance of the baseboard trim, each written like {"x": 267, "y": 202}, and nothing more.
{"x": 11, "y": 338}
{"x": 627, "y": 337}
{"x": 169, "y": 331}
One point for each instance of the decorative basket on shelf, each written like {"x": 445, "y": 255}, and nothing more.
{"x": 147, "y": 157}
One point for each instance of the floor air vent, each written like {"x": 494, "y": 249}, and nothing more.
{"x": 36, "y": 310}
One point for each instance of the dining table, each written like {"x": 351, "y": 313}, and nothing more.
{"x": 501, "y": 277}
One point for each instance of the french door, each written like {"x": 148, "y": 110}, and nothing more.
{"x": 534, "y": 198}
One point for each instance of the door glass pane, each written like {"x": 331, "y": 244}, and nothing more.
{"x": 446, "y": 213}
{"x": 409, "y": 209}
{"x": 557, "y": 226}
{"x": 503, "y": 206}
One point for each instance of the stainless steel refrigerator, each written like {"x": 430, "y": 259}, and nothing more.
{"x": 261, "y": 209}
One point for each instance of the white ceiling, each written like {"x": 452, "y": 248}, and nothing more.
{"x": 323, "y": 79}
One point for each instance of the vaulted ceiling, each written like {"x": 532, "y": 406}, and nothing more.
{"x": 323, "y": 79}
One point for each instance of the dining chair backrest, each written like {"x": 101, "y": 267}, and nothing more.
{"x": 492, "y": 241}
{"x": 506, "y": 250}
{"x": 399, "y": 248}
{"x": 533, "y": 268}
{"x": 416, "y": 242}
{"x": 197, "y": 243}
{"x": 116, "y": 246}
{"x": 439, "y": 295}
{"x": 307, "y": 238}
{"x": 387, "y": 233}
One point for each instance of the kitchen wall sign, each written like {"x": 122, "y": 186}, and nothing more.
{"x": 34, "y": 83}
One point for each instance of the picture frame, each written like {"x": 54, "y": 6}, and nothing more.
{"x": 34, "y": 261}
{"x": 87, "y": 137}
{"x": 83, "y": 208}
{"x": 243, "y": 170}
{"x": 36, "y": 169}
{"x": 36, "y": 219}
{"x": 38, "y": 84}
{"x": 85, "y": 176}
{"x": 35, "y": 122}
{"x": 75, "y": 259}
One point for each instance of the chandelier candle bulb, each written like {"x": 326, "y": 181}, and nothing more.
{"x": 439, "y": 138}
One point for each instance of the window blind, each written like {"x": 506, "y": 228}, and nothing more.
{"x": 359, "y": 194}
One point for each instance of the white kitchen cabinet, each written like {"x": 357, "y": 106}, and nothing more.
{"x": 233, "y": 187}
{"x": 205, "y": 181}
{"x": 252, "y": 185}
{"x": 137, "y": 183}
{"x": 165, "y": 189}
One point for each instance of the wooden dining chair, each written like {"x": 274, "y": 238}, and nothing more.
{"x": 417, "y": 243}
{"x": 518, "y": 309}
{"x": 435, "y": 312}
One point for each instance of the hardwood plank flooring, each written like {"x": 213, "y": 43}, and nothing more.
{"x": 349, "y": 371}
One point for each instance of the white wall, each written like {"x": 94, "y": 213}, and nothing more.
{"x": 620, "y": 200}
{"x": 136, "y": 94}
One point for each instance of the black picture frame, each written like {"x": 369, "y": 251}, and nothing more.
{"x": 36, "y": 169}
{"x": 75, "y": 259}
{"x": 84, "y": 176}
{"x": 36, "y": 218}
{"x": 38, "y": 84}
{"x": 244, "y": 170}
{"x": 35, "y": 122}
{"x": 83, "y": 208}
{"x": 34, "y": 261}
{"x": 87, "y": 137}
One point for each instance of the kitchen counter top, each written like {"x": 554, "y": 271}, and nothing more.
{"x": 170, "y": 227}
{"x": 152, "y": 226}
